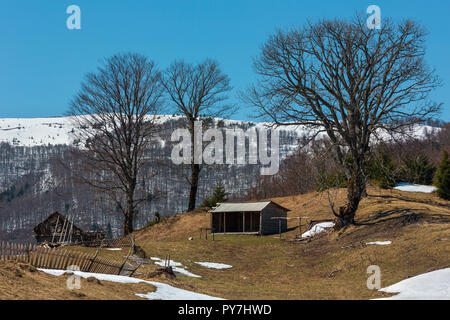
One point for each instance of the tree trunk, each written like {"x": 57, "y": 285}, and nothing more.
{"x": 355, "y": 191}
{"x": 128, "y": 223}
{"x": 194, "y": 186}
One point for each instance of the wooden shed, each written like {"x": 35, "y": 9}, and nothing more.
{"x": 249, "y": 218}
{"x": 57, "y": 227}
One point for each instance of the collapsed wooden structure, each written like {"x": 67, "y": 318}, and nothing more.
{"x": 63, "y": 259}
{"x": 60, "y": 229}
{"x": 248, "y": 218}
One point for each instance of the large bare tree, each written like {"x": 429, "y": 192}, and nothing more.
{"x": 349, "y": 81}
{"x": 197, "y": 91}
{"x": 114, "y": 114}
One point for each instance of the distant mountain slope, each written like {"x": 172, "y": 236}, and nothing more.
{"x": 33, "y": 183}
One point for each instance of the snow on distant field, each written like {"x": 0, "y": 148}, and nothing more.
{"x": 380, "y": 243}
{"x": 31, "y": 132}
{"x": 36, "y": 131}
{"x": 163, "y": 291}
{"x": 214, "y": 265}
{"x": 433, "y": 285}
{"x": 414, "y": 187}
{"x": 60, "y": 130}
{"x": 176, "y": 266}
{"x": 317, "y": 228}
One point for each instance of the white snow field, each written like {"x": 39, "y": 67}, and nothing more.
{"x": 214, "y": 265}
{"x": 433, "y": 285}
{"x": 31, "y": 132}
{"x": 163, "y": 291}
{"x": 318, "y": 228}
{"x": 414, "y": 187}
{"x": 380, "y": 243}
{"x": 176, "y": 266}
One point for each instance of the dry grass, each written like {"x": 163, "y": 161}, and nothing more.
{"x": 21, "y": 281}
{"x": 332, "y": 266}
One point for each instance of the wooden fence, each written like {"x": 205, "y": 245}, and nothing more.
{"x": 62, "y": 259}
{"x": 110, "y": 243}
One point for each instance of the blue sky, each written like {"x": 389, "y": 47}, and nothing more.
{"x": 42, "y": 62}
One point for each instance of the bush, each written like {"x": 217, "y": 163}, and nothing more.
{"x": 219, "y": 195}
{"x": 442, "y": 177}
{"x": 418, "y": 170}
{"x": 327, "y": 181}
{"x": 382, "y": 171}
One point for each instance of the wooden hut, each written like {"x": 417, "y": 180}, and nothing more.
{"x": 57, "y": 228}
{"x": 265, "y": 217}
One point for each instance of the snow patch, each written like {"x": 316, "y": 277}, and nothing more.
{"x": 380, "y": 243}
{"x": 163, "y": 291}
{"x": 114, "y": 249}
{"x": 433, "y": 285}
{"x": 177, "y": 267}
{"x": 414, "y": 187}
{"x": 214, "y": 265}
{"x": 318, "y": 228}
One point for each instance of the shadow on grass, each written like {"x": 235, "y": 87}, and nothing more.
{"x": 404, "y": 216}
{"x": 412, "y": 200}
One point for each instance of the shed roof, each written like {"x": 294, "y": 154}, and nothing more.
{"x": 244, "y": 206}
{"x": 47, "y": 227}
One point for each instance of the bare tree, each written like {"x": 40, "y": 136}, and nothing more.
{"x": 349, "y": 81}
{"x": 115, "y": 117}
{"x": 197, "y": 91}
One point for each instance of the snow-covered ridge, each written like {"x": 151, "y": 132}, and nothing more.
{"x": 30, "y": 132}
{"x": 36, "y": 131}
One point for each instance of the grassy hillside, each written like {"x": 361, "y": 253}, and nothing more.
{"x": 21, "y": 281}
{"x": 332, "y": 266}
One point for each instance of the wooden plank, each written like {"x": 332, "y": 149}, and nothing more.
{"x": 31, "y": 256}
{"x": 84, "y": 262}
{"x": 37, "y": 257}
{"x": 100, "y": 265}
{"x": 76, "y": 260}
{"x": 103, "y": 266}
{"x": 56, "y": 259}
{"x": 65, "y": 260}
{"x": 88, "y": 261}
{"x": 20, "y": 257}
{"x": 48, "y": 257}
{"x": 41, "y": 258}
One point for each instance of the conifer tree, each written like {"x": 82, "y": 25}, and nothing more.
{"x": 442, "y": 177}
{"x": 219, "y": 195}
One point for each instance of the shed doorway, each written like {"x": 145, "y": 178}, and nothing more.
{"x": 236, "y": 222}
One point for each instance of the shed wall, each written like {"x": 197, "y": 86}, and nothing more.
{"x": 269, "y": 225}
